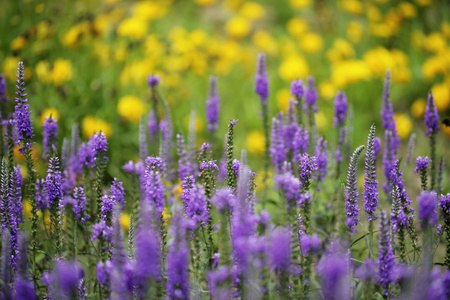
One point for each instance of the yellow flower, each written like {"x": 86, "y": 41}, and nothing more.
{"x": 255, "y": 142}
{"x": 349, "y": 71}
{"x": 311, "y": 42}
{"x": 43, "y": 71}
{"x": 423, "y": 2}
{"x": 44, "y": 30}
{"x": 417, "y": 38}
{"x": 238, "y": 27}
{"x": 49, "y": 112}
{"x": 205, "y": 2}
{"x": 283, "y": 97}
{"x": 445, "y": 28}
{"x": 354, "y": 31}
{"x": 352, "y": 6}
{"x": 26, "y": 208}
{"x": 131, "y": 108}
{"x": 10, "y": 68}
{"x": 177, "y": 191}
{"x": 341, "y": 50}
{"x": 133, "y": 28}
{"x": 327, "y": 90}
{"x": 265, "y": 42}
{"x": 373, "y": 13}
{"x": 21, "y": 158}
{"x": 435, "y": 42}
{"x": 70, "y": 39}
{"x": 166, "y": 215}
{"x": 297, "y": 27}
{"x": 418, "y": 108}
{"x": 39, "y": 8}
{"x": 92, "y": 125}
{"x": 321, "y": 121}
{"x": 293, "y": 67}
{"x": 125, "y": 221}
{"x": 18, "y": 43}
{"x": 62, "y": 71}
{"x": 300, "y": 3}
{"x": 380, "y": 59}
{"x": 148, "y": 10}
{"x": 407, "y": 10}
{"x": 381, "y": 30}
{"x": 198, "y": 37}
{"x": 404, "y": 125}
{"x": 433, "y": 66}
{"x": 252, "y": 10}
{"x": 441, "y": 93}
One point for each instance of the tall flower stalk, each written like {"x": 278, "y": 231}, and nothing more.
{"x": 351, "y": 193}
{"x": 385, "y": 255}
{"x": 297, "y": 91}
{"x": 444, "y": 204}
{"x": 421, "y": 169}
{"x": 340, "y": 115}
{"x": 432, "y": 123}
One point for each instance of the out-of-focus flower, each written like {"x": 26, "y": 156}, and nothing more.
{"x": 125, "y": 221}
{"x": 265, "y": 42}
{"x": 134, "y": 28}
{"x": 92, "y": 125}
{"x": 380, "y": 59}
{"x": 352, "y": 6}
{"x": 326, "y": 89}
{"x": 255, "y": 142}
{"x": 10, "y": 68}
{"x": 407, "y": 10}
{"x": 423, "y": 2}
{"x": 418, "y": 107}
{"x": 355, "y": 31}
{"x": 149, "y": 10}
{"x": 297, "y": 27}
{"x": 441, "y": 93}
{"x": 283, "y": 97}
{"x": 205, "y": 2}
{"x": 131, "y": 108}
{"x": 49, "y": 112}
{"x": 300, "y": 3}
{"x": 311, "y": 42}
{"x": 435, "y": 42}
{"x": 349, "y": 71}
{"x": 43, "y": 71}
{"x": 341, "y": 50}
{"x": 70, "y": 39}
{"x": 61, "y": 72}
{"x": 404, "y": 125}
{"x": 293, "y": 67}
{"x": 238, "y": 27}
{"x": 18, "y": 43}
{"x": 252, "y": 10}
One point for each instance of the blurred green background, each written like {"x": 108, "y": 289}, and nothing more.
{"x": 87, "y": 61}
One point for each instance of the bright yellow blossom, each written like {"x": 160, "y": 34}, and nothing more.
{"x": 149, "y": 10}
{"x": 49, "y": 112}
{"x": 43, "y": 71}
{"x": 311, "y": 42}
{"x": 283, "y": 97}
{"x": 293, "y": 67}
{"x": 125, "y": 221}
{"x": 407, "y": 10}
{"x": 255, "y": 142}
{"x": 92, "y": 125}
{"x": 349, "y": 71}
{"x": 381, "y": 30}
{"x": 354, "y": 31}
{"x": 238, "y": 27}
{"x": 373, "y": 13}
{"x": 70, "y": 39}
{"x": 423, "y": 2}
{"x": 300, "y": 3}
{"x": 321, "y": 121}
{"x": 352, "y": 6}
{"x": 133, "y": 28}
{"x": 441, "y": 93}
{"x": 10, "y": 68}
{"x": 418, "y": 108}
{"x": 205, "y": 2}
{"x": 445, "y": 28}
{"x": 62, "y": 71}
{"x": 297, "y": 27}
{"x": 341, "y": 50}
{"x": 327, "y": 90}
{"x": 252, "y": 10}
{"x": 18, "y": 43}
{"x": 404, "y": 125}
{"x": 131, "y": 108}
{"x": 435, "y": 42}
{"x": 26, "y": 208}
{"x": 265, "y": 42}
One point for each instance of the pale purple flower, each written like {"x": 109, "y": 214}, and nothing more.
{"x": 50, "y": 138}
{"x": 261, "y": 79}
{"x": 280, "y": 249}
{"x": 351, "y": 193}
{"x": 421, "y": 163}
{"x": 297, "y": 88}
{"x": 311, "y": 94}
{"x": 427, "y": 208}
{"x": 386, "y": 260}
{"x": 321, "y": 154}
{"x": 370, "y": 178}
{"x": 212, "y": 105}
{"x": 340, "y": 109}
{"x": 153, "y": 80}
{"x": 431, "y": 116}
{"x": 22, "y": 112}
{"x": 310, "y": 244}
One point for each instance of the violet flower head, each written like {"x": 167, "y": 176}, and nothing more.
{"x": 148, "y": 254}
{"x": 297, "y": 88}
{"x": 321, "y": 160}
{"x": 278, "y": 151}
{"x": 53, "y": 183}
{"x": 431, "y": 116}
{"x": 154, "y": 188}
{"x": 427, "y": 208}
{"x": 2, "y": 86}
{"x": 196, "y": 208}
{"x": 117, "y": 192}
{"x": 152, "y": 125}
{"x": 376, "y": 145}
{"x": 421, "y": 163}
{"x": 351, "y": 193}
{"x": 212, "y": 105}
{"x": 386, "y": 260}
{"x": 340, "y": 109}
{"x": 310, "y": 244}
{"x": 300, "y": 143}
{"x": 290, "y": 185}
{"x": 387, "y": 113}
{"x": 261, "y": 79}
{"x": 103, "y": 230}
{"x": 280, "y": 249}
{"x": 444, "y": 204}
{"x": 50, "y": 138}
{"x": 153, "y": 80}
{"x": 307, "y": 166}
{"x": 311, "y": 94}
{"x": 224, "y": 199}
{"x": 368, "y": 270}
{"x": 184, "y": 165}
{"x": 22, "y": 112}
{"x": 370, "y": 178}
{"x": 79, "y": 207}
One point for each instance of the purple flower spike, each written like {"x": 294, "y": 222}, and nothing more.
{"x": 2, "y": 88}
{"x": 261, "y": 79}
{"x": 376, "y": 145}
{"x": 334, "y": 268}
{"x": 351, "y": 193}
{"x": 421, "y": 163}
{"x": 322, "y": 159}
{"x": 224, "y": 199}
{"x": 153, "y": 80}
{"x": 340, "y": 109}
{"x": 22, "y": 112}
{"x": 427, "y": 208}
{"x": 297, "y": 88}
{"x": 280, "y": 252}
{"x": 212, "y": 105}
{"x": 386, "y": 260}
{"x": 50, "y": 138}
{"x": 370, "y": 178}
{"x": 311, "y": 94}
{"x": 310, "y": 243}
{"x": 431, "y": 116}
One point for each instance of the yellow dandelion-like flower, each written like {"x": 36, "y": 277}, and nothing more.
{"x": 125, "y": 221}
{"x": 293, "y": 67}
{"x": 205, "y": 2}
{"x": 10, "y": 68}
{"x": 441, "y": 93}
{"x": 92, "y": 125}
{"x": 177, "y": 191}
{"x": 265, "y": 42}
{"x": 435, "y": 42}
{"x": 18, "y": 43}
{"x": 149, "y": 10}
{"x": 352, "y": 6}
{"x": 418, "y": 108}
{"x": 407, "y": 10}
{"x": 134, "y": 28}
{"x": 354, "y": 31}
{"x": 297, "y": 27}
{"x": 49, "y": 112}
{"x": 252, "y": 10}
{"x": 166, "y": 215}
{"x": 299, "y": 4}
{"x": 43, "y": 71}
{"x": 255, "y": 142}
{"x": 283, "y": 97}
{"x": 311, "y": 42}
{"x": 327, "y": 90}
{"x": 404, "y": 125}
{"x": 238, "y": 27}
{"x": 26, "y": 209}
{"x": 62, "y": 71}
{"x": 131, "y": 108}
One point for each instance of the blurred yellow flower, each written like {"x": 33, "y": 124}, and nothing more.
{"x": 133, "y": 28}
{"x": 205, "y": 2}
{"x": 441, "y": 93}
{"x": 166, "y": 215}
{"x": 418, "y": 108}
{"x": 417, "y": 38}
{"x": 92, "y": 125}
{"x": 300, "y": 3}
{"x": 149, "y": 10}
{"x": 131, "y": 108}
{"x": 39, "y": 8}
{"x": 404, "y": 125}
{"x": 177, "y": 191}
{"x": 70, "y": 39}
{"x": 198, "y": 125}
{"x": 354, "y": 31}
{"x": 21, "y": 158}
{"x": 293, "y": 67}
{"x": 380, "y": 59}
{"x": 283, "y": 97}
{"x": 393, "y": 20}
{"x": 125, "y": 221}
{"x": 10, "y": 67}
{"x": 18, "y": 43}
{"x": 445, "y": 28}
{"x": 265, "y": 42}
{"x": 252, "y": 10}
{"x": 44, "y": 29}
{"x": 341, "y": 50}
{"x": 49, "y": 112}
{"x": 26, "y": 208}
{"x": 435, "y": 42}
{"x": 198, "y": 37}
{"x": 311, "y": 42}
{"x": 238, "y": 27}
{"x": 373, "y": 13}
{"x": 321, "y": 121}
{"x": 43, "y": 71}
{"x": 349, "y": 71}
{"x": 327, "y": 90}
{"x": 407, "y": 10}
{"x": 433, "y": 66}
{"x": 352, "y": 6}
{"x": 423, "y": 2}
{"x": 62, "y": 71}
{"x": 297, "y": 27}
{"x": 255, "y": 142}
{"x": 381, "y": 30}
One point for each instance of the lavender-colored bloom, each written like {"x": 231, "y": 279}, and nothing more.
{"x": 178, "y": 259}
{"x": 153, "y": 80}
{"x": 368, "y": 270}
{"x": 421, "y": 164}
{"x": 50, "y": 138}
{"x": 444, "y": 204}
{"x": 152, "y": 125}
{"x": 103, "y": 230}
{"x": 195, "y": 203}
{"x": 2, "y": 86}
{"x": 79, "y": 207}
{"x": 184, "y": 165}
{"x": 427, "y": 208}
{"x": 300, "y": 143}
{"x": 117, "y": 192}
{"x": 370, "y": 179}
{"x": 210, "y": 165}
{"x": 389, "y": 158}
{"x": 153, "y": 185}
{"x": 297, "y": 88}
{"x": 386, "y": 258}
{"x": 216, "y": 277}
{"x": 224, "y": 199}
{"x": 53, "y": 183}
{"x": 236, "y": 165}
{"x": 280, "y": 249}
{"x": 63, "y": 281}
{"x": 311, "y": 94}
{"x": 24, "y": 289}
{"x": 309, "y": 243}
{"x": 307, "y": 165}
{"x": 22, "y": 112}
{"x": 446, "y": 283}
{"x": 376, "y": 145}
{"x": 402, "y": 212}
{"x": 351, "y": 193}
{"x": 103, "y": 272}
{"x": 143, "y": 149}
{"x": 321, "y": 159}
{"x": 431, "y": 116}
{"x": 212, "y": 105}
{"x": 340, "y": 109}
{"x": 89, "y": 153}
{"x": 81, "y": 290}
{"x": 261, "y": 79}
{"x": 291, "y": 187}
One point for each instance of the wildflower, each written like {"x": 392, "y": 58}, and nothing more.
{"x": 131, "y": 108}
{"x": 351, "y": 194}
{"x": 22, "y": 112}
{"x": 61, "y": 72}
{"x": 370, "y": 179}
{"x": 431, "y": 116}
{"x": 321, "y": 154}
{"x": 386, "y": 256}
{"x": 212, "y": 105}
{"x": 427, "y": 208}
{"x": 280, "y": 252}
{"x": 50, "y": 138}
{"x": 261, "y": 79}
